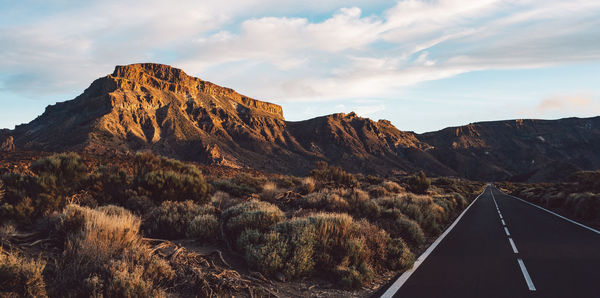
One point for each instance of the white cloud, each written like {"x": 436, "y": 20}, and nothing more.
{"x": 269, "y": 50}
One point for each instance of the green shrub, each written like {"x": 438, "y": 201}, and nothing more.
{"x": 419, "y": 183}
{"x": 205, "y": 227}
{"x": 326, "y": 173}
{"x": 108, "y": 184}
{"x": 325, "y": 200}
{"x": 173, "y": 186}
{"x": 251, "y": 215}
{"x": 173, "y": 220}
{"x": 399, "y": 256}
{"x": 325, "y": 243}
{"x": 21, "y": 276}
{"x": 29, "y": 197}
{"x": 232, "y": 188}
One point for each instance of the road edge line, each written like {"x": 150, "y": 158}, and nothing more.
{"x": 554, "y": 213}
{"x": 391, "y": 291}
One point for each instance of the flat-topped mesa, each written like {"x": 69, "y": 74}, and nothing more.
{"x": 175, "y": 80}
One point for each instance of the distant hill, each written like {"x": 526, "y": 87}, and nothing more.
{"x": 160, "y": 108}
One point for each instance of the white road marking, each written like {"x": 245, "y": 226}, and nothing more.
{"x": 526, "y": 275}
{"x": 567, "y": 219}
{"x": 514, "y": 247}
{"x": 503, "y": 223}
{"x": 506, "y": 230}
{"x": 404, "y": 277}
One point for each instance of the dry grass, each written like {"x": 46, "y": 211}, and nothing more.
{"x": 21, "y": 276}
{"x": 104, "y": 254}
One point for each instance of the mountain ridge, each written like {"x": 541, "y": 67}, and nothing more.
{"x": 160, "y": 108}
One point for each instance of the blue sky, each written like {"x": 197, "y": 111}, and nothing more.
{"x": 423, "y": 65}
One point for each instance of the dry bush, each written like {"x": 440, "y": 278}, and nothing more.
{"x": 307, "y": 185}
{"x": 419, "y": 183}
{"x": 104, "y": 255}
{"x": 327, "y": 173}
{"x": 172, "y": 220}
{"x": 362, "y": 205}
{"x": 377, "y": 191}
{"x": 21, "y": 276}
{"x": 251, "y": 215}
{"x": 325, "y": 200}
{"x": 392, "y": 187}
{"x": 269, "y": 192}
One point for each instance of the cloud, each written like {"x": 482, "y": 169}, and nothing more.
{"x": 572, "y": 103}
{"x": 273, "y": 50}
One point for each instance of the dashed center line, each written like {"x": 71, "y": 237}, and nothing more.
{"x": 514, "y": 247}
{"x": 526, "y": 275}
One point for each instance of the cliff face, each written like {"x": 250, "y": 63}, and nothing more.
{"x": 160, "y": 108}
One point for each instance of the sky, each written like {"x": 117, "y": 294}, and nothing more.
{"x": 423, "y": 65}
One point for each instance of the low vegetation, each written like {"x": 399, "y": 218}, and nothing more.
{"x": 578, "y": 197}
{"x": 108, "y": 222}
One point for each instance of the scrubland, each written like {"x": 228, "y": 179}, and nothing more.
{"x": 153, "y": 226}
{"x": 578, "y": 197}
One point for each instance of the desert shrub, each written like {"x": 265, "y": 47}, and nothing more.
{"x": 1, "y": 190}
{"x": 269, "y": 192}
{"x": 104, "y": 255}
{"x": 585, "y": 206}
{"x": 139, "y": 201}
{"x": 173, "y": 186}
{"x": 586, "y": 181}
{"x": 327, "y": 243}
{"x": 399, "y": 256}
{"x": 232, "y": 188}
{"x": 21, "y": 276}
{"x": 361, "y": 204}
{"x": 325, "y": 200}
{"x": 172, "y": 220}
{"x": 400, "y": 226}
{"x": 419, "y": 183}
{"x": 287, "y": 182}
{"x": 29, "y": 197}
{"x": 63, "y": 171}
{"x": 326, "y": 173}
{"x": 26, "y": 198}
{"x": 419, "y": 208}
{"x": 370, "y": 179}
{"x": 392, "y": 187}
{"x": 205, "y": 227}
{"x": 108, "y": 184}
{"x": 251, "y": 215}
{"x": 377, "y": 191}
{"x": 307, "y": 185}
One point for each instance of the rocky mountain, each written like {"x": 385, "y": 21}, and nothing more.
{"x": 520, "y": 150}
{"x": 160, "y": 108}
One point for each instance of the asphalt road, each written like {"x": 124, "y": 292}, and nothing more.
{"x": 503, "y": 247}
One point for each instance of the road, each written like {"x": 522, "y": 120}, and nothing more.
{"x": 504, "y": 247}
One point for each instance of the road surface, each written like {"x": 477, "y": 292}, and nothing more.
{"x": 505, "y": 247}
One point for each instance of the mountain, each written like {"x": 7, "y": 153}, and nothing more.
{"x": 160, "y": 108}
{"x": 520, "y": 150}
